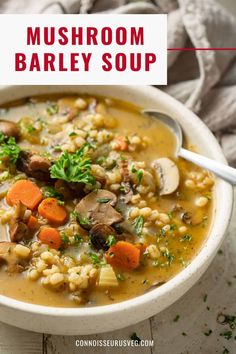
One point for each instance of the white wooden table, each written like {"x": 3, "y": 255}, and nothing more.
{"x": 197, "y": 311}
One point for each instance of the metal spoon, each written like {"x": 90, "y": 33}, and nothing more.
{"x": 219, "y": 169}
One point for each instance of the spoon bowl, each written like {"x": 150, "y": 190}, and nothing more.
{"x": 223, "y": 171}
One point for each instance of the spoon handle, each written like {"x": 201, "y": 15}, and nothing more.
{"x": 219, "y": 169}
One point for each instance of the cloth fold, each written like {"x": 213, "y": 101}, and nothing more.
{"x": 203, "y": 80}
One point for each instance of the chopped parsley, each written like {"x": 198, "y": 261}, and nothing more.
{"x": 82, "y": 220}
{"x": 101, "y": 160}
{"x": 170, "y": 214}
{"x": 65, "y": 239}
{"x": 52, "y": 109}
{"x": 186, "y": 238}
{"x": 95, "y": 259}
{"x": 112, "y": 165}
{"x": 111, "y": 240}
{"x": 73, "y": 241}
{"x": 50, "y": 192}
{"x": 163, "y": 231}
{"x": 103, "y": 200}
{"x": 2, "y": 138}
{"x": 30, "y": 128}
{"x": 77, "y": 240}
{"x": 169, "y": 256}
{"x": 208, "y": 196}
{"x": 57, "y": 148}
{"x": 74, "y": 167}
{"x": 138, "y": 173}
{"x": 120, "y": 277}
{"x": 138, "y": 225}
{"x": 173, "y": 227}
{"x": 205, "y": 298}
{"x": 72, "y": 134}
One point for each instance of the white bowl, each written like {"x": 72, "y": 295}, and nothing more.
{"x": 90, "y": 320}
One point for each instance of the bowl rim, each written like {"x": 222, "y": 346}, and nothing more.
{"x": 207, "y": 252}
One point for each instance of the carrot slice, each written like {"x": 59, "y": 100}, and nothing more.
{"x": 122, "y": 145}
{"x": 51, "y": 237}
{"x": 51, "y": 210}
{"x": 33, "y": 223}
{"x": 123, "y": 255}
{"x": 26, "y": 192}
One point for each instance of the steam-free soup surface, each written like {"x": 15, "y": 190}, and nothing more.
{"x": 95, "y": 208}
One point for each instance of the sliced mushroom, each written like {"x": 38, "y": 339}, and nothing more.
{"x": 34, "y": 165}
{"x": 17, "y": 227}
{"x": 97, "y": 207}
{"x": 105, "y": 213}
{"x": 167, "y": 175}
{"x": 66, "y": 108}
{"x": 10, "y": 129}
{"x": 99, "y": 234}
{"x": 10, "y": 254}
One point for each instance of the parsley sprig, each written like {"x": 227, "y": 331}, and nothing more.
{"x": 74, "y": 167}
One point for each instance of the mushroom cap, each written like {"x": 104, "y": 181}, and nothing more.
{"x": 10, "y": 129}
{"x": 97, "y": 207}
{"x": 167, "y": 174}
{"x": 99, "y": 234}
{"x": 34, "y": 165}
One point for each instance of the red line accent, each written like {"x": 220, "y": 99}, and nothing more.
{"x": 195, "y": 49}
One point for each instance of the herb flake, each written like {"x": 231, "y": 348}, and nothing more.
{"x": 138, "y": 225}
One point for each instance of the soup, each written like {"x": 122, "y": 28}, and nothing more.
{"x": 95, "y": 208}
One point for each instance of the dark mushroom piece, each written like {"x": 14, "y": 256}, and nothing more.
{"x": 10, "y": 129}
{"x": 97, "y": 207}
{"x": 8, "y": 256}
{"x": 34, "y": 165}
{"x": 99, "y": 234}
{"x": 17, "y": 227}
